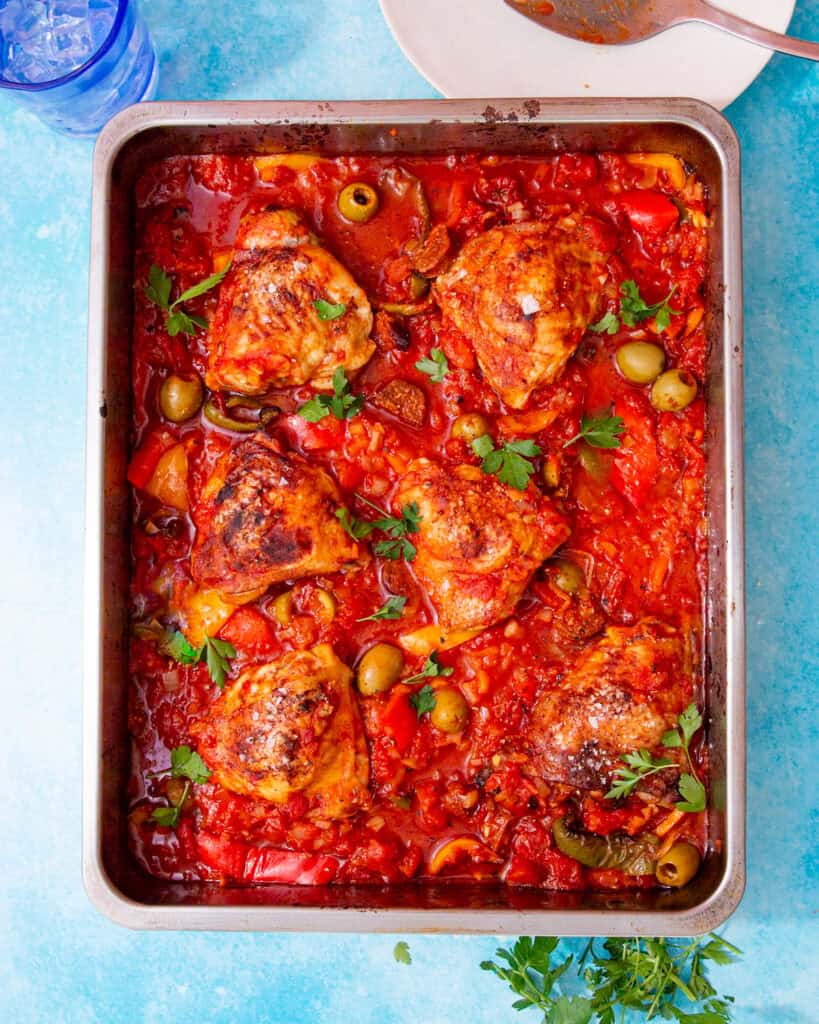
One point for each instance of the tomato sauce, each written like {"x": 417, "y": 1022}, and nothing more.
{"x": 469, "y": 804}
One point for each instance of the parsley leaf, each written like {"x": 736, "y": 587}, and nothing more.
{"x": 397, "y": 529}
{"x": 178, "y": 320}
{"x": 401, "y": 953}
{"x": 216, "y": 653}
{"x": 424, "y": 700}
{"x": 329, "y": 310}
{"x": 167, "y": 816}
{"x": 435, "y": 365}
{"x": 640, "y": 765}
{"x": 634, "y": 309}
{"x": 176, "y": 646}
{"x": 356, "y": 528}
{"x": 607, "y": 324}
{"x": 509, "y": 462}
{"x": 431, "y": 670}
{"x": 393, "y": 608}
{"x": 392, "y": 550}
{"x": 570, "y": 1010}
{"x": 691, "y": 788}
{"x": 599, "y": 432}
{"x": 342, "y": 403}
{"x": 692, "y": 792}
{"x": 187, "y": 764}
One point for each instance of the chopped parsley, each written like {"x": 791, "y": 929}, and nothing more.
{"x": 158, "y": 291}
{"x": 342, "y": 403}
{"x": 510, "y": 463}
{"x": 634, "y": 309}
{"x": 599, "y": 431}
{"x": 431, "y": 670}
{"x": 217, "y": 654}
{"x": 393, "y": 608}
{"x": 329, "y": 310}
{"x": 424, "y": 700}
{"x": 435, "y": 366}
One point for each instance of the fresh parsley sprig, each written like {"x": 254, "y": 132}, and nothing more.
{"x": 691, "y": 788}
{"x": 358, "y": 529}
{"x": 343, "y": 404}
{"x": 510, "y": 463}
{"x": 431, "y": 670}
{"x": 599, "y": 431}
{"x": 401, "y": 953}
{"x": 423, "y": 700}
{"x": 397, "y": 529}
{"x": 393, "y": 608}
{"x": 185, "y": 764}
{"x": 649, "y": 976}
{"x": 158, "y": 291}
{"x": 435, "y": 366}
{"x": 641, "y": 764}
{"x": 216, "y": 653}
{"x": 634, "y": 309}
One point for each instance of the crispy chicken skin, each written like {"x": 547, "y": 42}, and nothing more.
{"x": 264, "y": 517}
{"x": 267, "y": 332}
{"x": 524, "y": 295}
{"x": 290, "y": 726}
{"x": 479, "y": 542}
{"x": 623, "y": 692}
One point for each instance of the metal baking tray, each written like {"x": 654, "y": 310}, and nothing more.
{"x": 142, "y": 134}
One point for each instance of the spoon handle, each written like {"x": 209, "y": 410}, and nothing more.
{"x": 705, "y": 12}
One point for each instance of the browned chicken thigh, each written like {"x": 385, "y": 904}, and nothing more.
{"x": 524, "y": 295}
{"x": 267, "y": 331}
{"x": 479, "y": 542}
{"x": 290, "y": 726}
{"x": 623, "y": 692}
{"x": 265, "y": 517}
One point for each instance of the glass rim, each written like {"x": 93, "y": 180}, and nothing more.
{"x": 69, "y": 76}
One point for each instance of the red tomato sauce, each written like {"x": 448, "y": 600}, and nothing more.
{"x": 637, "y": 516}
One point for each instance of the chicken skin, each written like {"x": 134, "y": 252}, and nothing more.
{"x": 265, "y": 517}
{"x": 624, "y": 691}
{"x": 479, "y": 542}
{"x": 290, "y": 726}
{"x": 267, "y": 331}
{"x": 524, "y": 295}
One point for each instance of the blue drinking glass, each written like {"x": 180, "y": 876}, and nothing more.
{"x": 75, "y": 63}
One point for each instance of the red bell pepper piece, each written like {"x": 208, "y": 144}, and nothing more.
{"x": 144, "y": 460}
{"x": 635, "y": 465}
{"x": 400, "y": 720}
{"x": 648, "y": 211}
{"x": 249, "y": 631}
{"x": 244, "y": 863}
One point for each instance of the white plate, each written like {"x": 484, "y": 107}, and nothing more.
{"x": 472, "y": 48}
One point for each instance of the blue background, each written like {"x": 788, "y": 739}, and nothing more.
{"x": 59, "y": 960}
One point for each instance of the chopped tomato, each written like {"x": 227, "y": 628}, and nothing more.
{"x": 144, "y": 460}
{"x": 250, "y": 632}
{"x": 636, "y": 461}
{"x": 327, "y": 433}
{"x": 244, "y": 863}
{"x": 648, "y": 211}
{"x": 399, "y": 719}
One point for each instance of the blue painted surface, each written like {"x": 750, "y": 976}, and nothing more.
{"x": 60, "y": 961}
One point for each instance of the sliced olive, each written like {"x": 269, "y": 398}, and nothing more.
{"x": 221, "y": 419}
{"x": 632, "y": 855}
{"x": 451, "y": 712}
{"x": 678, "y": 866}
{"x": 180, "y": 398}
{"x": 358, "y": 202}
{"x": 673, "y": 391}
{"x": 470, "y": 426}
{"x": 568, "y": 576}
{"x": 419, "y": 285}
{"x": 640, "y": 362}
{"x": 379, "y": 668}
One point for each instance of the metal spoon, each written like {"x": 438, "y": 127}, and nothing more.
{"x": 615, "y": 22}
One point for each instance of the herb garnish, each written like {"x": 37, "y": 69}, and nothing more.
{"x": 185, "y": 764}
{"x": 641, "y": 764}
{"x": 435, "y": 365}
{"x": 431, "y": 670}
{"x": 397, "y": 528}
{"x": 158, "y": 290}
{"x": 217, "y": 654}
{"x": 401, "y": 953}
{"x": 356, "y": 528}
{"x": 393, "y": 608}
{"x": 599, "y": 431}
{"x": 634, "y": 309}
{"x": 342, "y": 403}
{"x": 424, "y": 700}
{"x": 329, "y": 310}
{"x": 509, "y": 462}
{"x": 649, "y": 976}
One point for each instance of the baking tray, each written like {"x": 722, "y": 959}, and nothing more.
{"x": 143, "y": 134}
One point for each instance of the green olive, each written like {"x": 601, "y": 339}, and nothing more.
{"x": 419, "y": 285}
{"x": 380, "y": 667}
{"x": 640, "y": 361}
{"x": 678, "y": 866}
{"x": 568, "y": 576}
{"x": 673, "y": 391}
{"x": 469, "y": 427}
{"x": 451, "y": 712}
{"x": 358, "y": 202}
{"x": 179, "y": 399}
